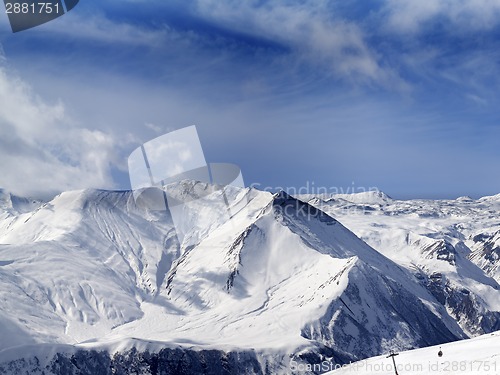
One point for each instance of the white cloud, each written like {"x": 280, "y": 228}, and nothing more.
{"x": 464, "y": 15}
{"x": 42, "y": 150}
{"x": 157, "y": 129}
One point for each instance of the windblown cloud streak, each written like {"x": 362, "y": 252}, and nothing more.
{"x": 310, "y": 30}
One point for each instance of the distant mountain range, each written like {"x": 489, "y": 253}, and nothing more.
{"x": 94, "y": 282}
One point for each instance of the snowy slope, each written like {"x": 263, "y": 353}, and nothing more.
{"x": 77, "y": 266}
{"x": 480, "y": 355}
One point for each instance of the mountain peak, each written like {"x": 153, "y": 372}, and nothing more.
{"x": 490, "y": 198}
{"x": 365, "y": 197}
{"x": 291, "y": 206}
{"x": 371, "y": 197}
{"x": 14, "y": 204}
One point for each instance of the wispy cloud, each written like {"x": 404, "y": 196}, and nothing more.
{"x": 98, "y": 28}
{"x": 311, "y": 31}
{"x": 462, "y": 15}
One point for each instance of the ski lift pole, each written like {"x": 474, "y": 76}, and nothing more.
{"x": 392, "y": 355}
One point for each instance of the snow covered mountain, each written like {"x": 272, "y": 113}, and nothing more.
{"x": 95, "y": 282}
{"x": 451, "y": 246}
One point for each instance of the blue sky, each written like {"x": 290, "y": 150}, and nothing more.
{"x": 399, "y": 95}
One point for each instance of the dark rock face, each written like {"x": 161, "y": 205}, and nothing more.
{"x": 358, "y": 326}
{"x": 490, "y": 246}
{"x": 165, "y": 362}
{"x": 180, "y": 361}
{"x": 463, "y": 305}
{"x": 441, "y": 250}
{"x": 289, "y": 206}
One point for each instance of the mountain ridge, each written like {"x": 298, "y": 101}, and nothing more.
{"x": 280, "y": 277}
